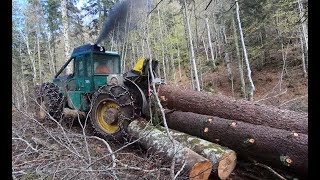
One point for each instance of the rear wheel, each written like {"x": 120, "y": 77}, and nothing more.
{"x": 50, "y": 102}
{"x": 112, "y": 111}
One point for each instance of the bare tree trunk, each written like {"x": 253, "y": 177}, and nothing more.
{"x": 303, "y": 24}
{"x": 284, "y": 64}
{"x": 124, "y": 45}
{"x": 133, "y": 57}
{"x": 227, "y": 60}
{"x": 162, "y": 47}
{"x": 193, "y": 61}
{"x": 34, "y": 74}
{"x": 167, "y": 61}
{"x": 251, "y": 85}
{"x": 65, "y": 29}
{"x": 173, "y": 67}
{"x": 196, "y": 27}
{"x": 23, "y": 79}
{"x": 179, "y": 62}
{"x": 283, "y": 53}
{"x": 167, "y": 53}
{"x": 142, "y": 49}
{"x": 189, "y": 53}
{"x": 205, "y": 49}
{"x": 39, "y": 55}
{"x": 118, "y": 43}
{"x": 240, "y": 67}
{"x": 210, "y": 43}
{"x": 305, "y": 74}
{"x": 50, "y": 55}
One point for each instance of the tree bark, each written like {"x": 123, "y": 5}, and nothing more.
{"x": 305, "y": 74}
{"x": 173, "y": 66}
{"x": 210, "y": 43}
{"x": 276, "y": 147}
{"x": 303, "y": 24}
{"x": 33, "y": 63}
{"x": 222, "y": 158}
{"x": 225, "y": 107}
{"x": 179, "y": 63}
{"x": 39, "y": 53}
{"x": 162, "y": 47}
{"x": 196, "y": 166}
{"x": 251, "y": 85}
{"x": 243, "y": 84}
{"x": 227, "y": 60}
{"x": 193, "y": 60}
{"x": 65, "y": 29}
{"x": 205, "y": 49}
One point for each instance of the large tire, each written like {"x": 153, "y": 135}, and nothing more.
{"x": 112, "y": 111}
{"x": 50, "y": 102}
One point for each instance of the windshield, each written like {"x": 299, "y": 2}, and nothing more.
{"x": 106, "y": 64}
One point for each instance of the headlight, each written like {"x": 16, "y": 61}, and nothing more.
{"x": 114, "y": 81}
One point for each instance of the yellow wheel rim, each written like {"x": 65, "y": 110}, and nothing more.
{"x": 102, "y": 108}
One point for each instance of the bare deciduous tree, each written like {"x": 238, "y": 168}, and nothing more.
{"x": 251, "y": 85}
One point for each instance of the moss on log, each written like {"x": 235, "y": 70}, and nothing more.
{"x": 222, "y": 158}
{"x": 196, "y": 166}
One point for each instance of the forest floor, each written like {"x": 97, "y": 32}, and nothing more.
{"x": 290, "y": 92}
{"x": 40, "y": 161}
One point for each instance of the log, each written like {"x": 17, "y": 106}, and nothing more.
{"x": 276, "y": 147}
{"x": 73, "y": 114}
{"x": 196, "y": 166}
{"x": 228, "y": 108}
{"x": 222, "y": 158}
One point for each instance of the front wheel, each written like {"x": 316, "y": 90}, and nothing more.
{"x": 112, "y": 111}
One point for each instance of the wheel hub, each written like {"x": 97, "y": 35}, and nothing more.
{"x": 111, "y": 116}
{"x": 107, "y": 116}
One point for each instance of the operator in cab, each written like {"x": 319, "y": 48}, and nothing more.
{"x": 102, "y": 68}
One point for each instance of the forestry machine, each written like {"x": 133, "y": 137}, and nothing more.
{"x": 91, "y": 83}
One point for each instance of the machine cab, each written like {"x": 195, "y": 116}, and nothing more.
{"x": 88, "y": 68}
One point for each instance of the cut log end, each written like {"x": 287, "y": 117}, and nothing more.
{"x": 201, "y": 170}
{"x": 72, "y": 113}
{"x": 227, "y": 164}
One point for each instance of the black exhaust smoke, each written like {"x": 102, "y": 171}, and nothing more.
{"x": 117, "y": 17}
{"x": 133, "y": 10}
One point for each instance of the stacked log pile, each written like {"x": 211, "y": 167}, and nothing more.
{"x": 210, "y": 131}
{"x": 201, "y": 156}
{"x": 266, "y": 134}
{"x": 195, "y": 165}
{"x": 228, "y": 108}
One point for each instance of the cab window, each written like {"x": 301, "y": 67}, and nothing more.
{"x": 106, "y": 64}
